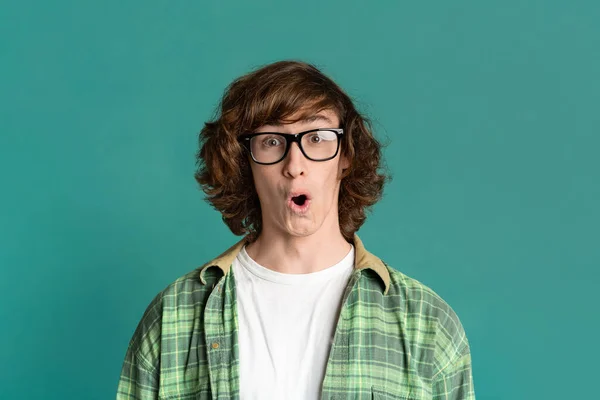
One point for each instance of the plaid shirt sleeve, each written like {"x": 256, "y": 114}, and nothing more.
{"x": 138, "y": 380}
{"x": 455, "y": 381}
{"x": 444, "y": 353}
{"x": 140, "y": 373}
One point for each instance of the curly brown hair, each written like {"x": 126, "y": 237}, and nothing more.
{"x": 272, "y": 94}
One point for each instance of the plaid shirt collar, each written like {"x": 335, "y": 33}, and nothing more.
{"x": 363, "y": 259}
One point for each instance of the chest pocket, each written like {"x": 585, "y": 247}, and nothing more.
{"x": 380, "y": 393}
{"x": 202, "y": 394}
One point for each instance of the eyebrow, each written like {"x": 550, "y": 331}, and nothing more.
{"x": 311, "y": 118}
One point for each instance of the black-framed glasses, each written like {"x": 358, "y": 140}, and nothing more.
{"x": 267, "y": 148}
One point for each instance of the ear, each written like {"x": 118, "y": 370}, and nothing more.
{"x": 344, "y": 163}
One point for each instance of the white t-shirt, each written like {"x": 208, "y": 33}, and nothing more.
{"x": 286, "y": 327}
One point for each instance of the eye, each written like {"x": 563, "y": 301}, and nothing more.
{"x": 315, "y": 138}
{"x": 271, "y": 142}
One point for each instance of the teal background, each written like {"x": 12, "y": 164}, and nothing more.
{"x": 491, "y": 109}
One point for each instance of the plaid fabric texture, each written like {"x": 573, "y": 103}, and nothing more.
{"x": 395, "y": 339}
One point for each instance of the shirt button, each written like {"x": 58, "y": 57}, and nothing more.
{"x": 215, "y": 345}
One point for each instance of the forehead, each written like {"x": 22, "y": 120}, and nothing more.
{"x": 321, "y": 119}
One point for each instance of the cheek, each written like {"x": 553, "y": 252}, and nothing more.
{"x": 258, "y": 181}
{"x": 336, "y": 183}
{"x": 264, "y": 184}
{"x": 333, "y": 178}
{"x": 261, "y": 190}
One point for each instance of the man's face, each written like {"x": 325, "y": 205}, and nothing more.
{"x": 277, "y": 183}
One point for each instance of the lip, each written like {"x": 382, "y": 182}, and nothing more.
{"x": 303, "y": 209}
{"x": 299, "y": 192}
{"x": 296, "y": 209}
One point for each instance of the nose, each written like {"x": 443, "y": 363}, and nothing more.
{"x": 294, "y": 162}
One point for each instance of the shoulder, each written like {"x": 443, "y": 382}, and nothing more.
{"x": 173, "y": 309}
{"x": 419, "y": 298}
{"x": 186, "y": 291}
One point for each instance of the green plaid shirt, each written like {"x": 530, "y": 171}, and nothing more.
{"x": 395, "y": 339}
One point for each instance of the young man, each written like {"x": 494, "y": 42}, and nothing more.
{"x": 297, "y": 309}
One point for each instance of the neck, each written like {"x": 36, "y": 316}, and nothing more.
{"x": 299, "y": 254}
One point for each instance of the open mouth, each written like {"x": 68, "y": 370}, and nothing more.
{"x": 299, "y": 203}
{"x": 299, "y": 200}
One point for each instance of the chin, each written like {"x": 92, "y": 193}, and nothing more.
{"x": 301, "y": 228}
{"x": 300, "y": 231}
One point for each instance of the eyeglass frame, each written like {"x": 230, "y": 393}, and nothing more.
{"x": 289, "y": 139}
